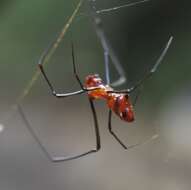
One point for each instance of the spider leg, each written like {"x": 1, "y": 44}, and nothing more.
{"x": 96, "y": 127}
{"x": 75, "y": 74}
{"x": 106, "y": 63}
{"x": 74, "y": 68}
{"x": 122, "y": 78}
{"x": 155, "y": 136}
{"x": 47, "y": 54}
{"x": 150, "y": 73}
{"x": 63, "y": 158}
{"x": 137, "y": 95}
{"x": 155, "y": 67}
{"x": 112, "y": 133}
{"x": 108, "y": 52}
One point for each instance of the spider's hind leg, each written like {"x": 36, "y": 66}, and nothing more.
{"x": 113, "y": 133}
{"x": 63, "y": 158}
{"x": 120, "y": 142}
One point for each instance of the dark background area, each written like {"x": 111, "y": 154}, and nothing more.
{"x": 137, "y": 35}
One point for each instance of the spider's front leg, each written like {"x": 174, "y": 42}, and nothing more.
{"x": 63, "y": 95}
{"x": 150, "y": 73}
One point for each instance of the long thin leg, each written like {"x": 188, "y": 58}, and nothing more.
{"x": 150, "y": 73}
{"x": 106, "y": 63}
{"x": 112, "y": 133}
{"x": 137, "y": 96}
{"x": 51, "y": 86}
{"x": 154, "y": 68}
{"x": 96, "y": 127}
{"x": 63, "y": 158}
{"x": 108, "y": 52}
{"x": 120, "y": 142}
{"x": 45, "y": 57}
{"x": 63, "y": 95}
{"x": 47, "y": 54}
{"x": 74, "y": 68}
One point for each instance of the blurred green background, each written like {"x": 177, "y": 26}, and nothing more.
{"x": 137, "y": 35}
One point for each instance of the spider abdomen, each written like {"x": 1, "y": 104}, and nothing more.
{"x": 120, "y": 104}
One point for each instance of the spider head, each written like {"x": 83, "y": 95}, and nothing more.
{"x": 93, "y": 81}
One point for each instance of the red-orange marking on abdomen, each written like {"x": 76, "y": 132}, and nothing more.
{"x": 118, "y": 103}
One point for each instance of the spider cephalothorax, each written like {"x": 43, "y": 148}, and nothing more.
{"x": 118, "y": 103}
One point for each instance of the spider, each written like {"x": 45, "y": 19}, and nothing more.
{"x": 117, "y": 101}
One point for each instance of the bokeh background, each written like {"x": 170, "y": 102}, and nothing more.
{"x": 137, "y": 35}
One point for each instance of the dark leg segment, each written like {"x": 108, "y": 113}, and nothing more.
{"x": 121, "y": 143}
{"x": 96, "y": 127}
{"x": 112, "y": 133}
{"x": 74, "y": 68}
{"x": 51, "y": 86}
{"x": 63, "y": 158}
{"x": 137, "y": 95}
{"x": 154, "y": 68}
{"x": 150, "y": 73}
